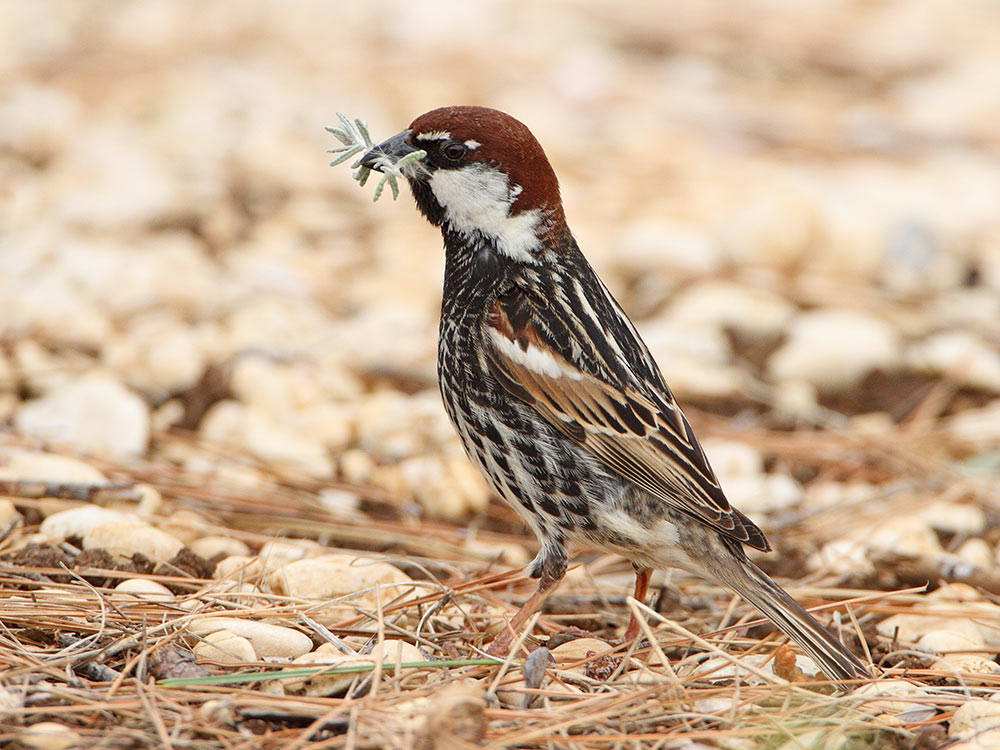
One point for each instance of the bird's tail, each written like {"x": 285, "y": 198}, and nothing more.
{"x": 754, "y": 585}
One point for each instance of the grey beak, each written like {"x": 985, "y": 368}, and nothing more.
{"x": 394, "y": 149}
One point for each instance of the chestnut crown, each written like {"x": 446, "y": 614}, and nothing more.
{"x": 467, "y": 136}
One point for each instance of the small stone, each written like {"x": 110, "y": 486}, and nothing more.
{"x": 239, "y": 568}
{"x": 728, "y": 305}
{"x": 280, "y": 552}
{"x": 269, "y": 641}
{"x": 911, "y": 628}
{"x": 580, "y": 649}
{"x": 95, "y": 414}
{"x": 508, "y": 554}
{"x": 896, "y": 697}
{"x": 186, "y": 525}
{"x": 327, "y": 684}
{"x": 961, "y": 355}
{"x": 24, "y": 464}
{"x": 333, "y": 576}
{"x": 841, "y": 557}
{"x": 656, "y": 243}
{"x": 142, "y": 588}
{"x": 225, "y": 647}
{"x": 356, "y": 466}
{"x": 49, "y": 735}
{"x": 268, "y": 437}
{"x": 447, "y": 487}
{"x": 210, "y": 546}
{"x": 976, "y": 553}
{"x": 834, "y": 349}
{"x": 8, "y": 513}
{"x": 974, "y": 717}
{"x": 395, "y": 652}
{"x": 979, "y": 428}
{"x": 970, "y": 665}
{"x": 159, "y": 354}
{"x": 150, "y": 500}
{"x": 126, "y": 538}
{"x": 341, "y": 503}
{"x": 796, "y": 399}
{"x": 954, "y": 518}
{"x": 945, "y": 640}
{"x": 907, "y": 535}
{"x": 731, "y": 459}
{"x": 78, "y": 522}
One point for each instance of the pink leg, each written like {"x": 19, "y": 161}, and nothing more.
{"x": 641, "y": 587}
{"x": 501, "y": 644}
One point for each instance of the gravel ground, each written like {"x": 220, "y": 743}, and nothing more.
{"x": 209, "y": 340}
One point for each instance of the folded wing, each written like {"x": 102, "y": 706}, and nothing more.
{"x": 636, "y": 429}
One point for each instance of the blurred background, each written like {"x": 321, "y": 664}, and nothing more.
{"x": 798, "y": 203}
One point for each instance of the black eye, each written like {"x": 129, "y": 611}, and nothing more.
{"x": 455, "y": 151}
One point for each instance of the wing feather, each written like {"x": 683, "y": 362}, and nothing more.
{"x": 636, "y": 429}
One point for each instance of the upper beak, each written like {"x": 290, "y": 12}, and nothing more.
{"x": 394, "y": 149}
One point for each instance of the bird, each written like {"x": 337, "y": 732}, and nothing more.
{"x": 552, "y": 391}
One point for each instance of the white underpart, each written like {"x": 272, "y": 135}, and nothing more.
{"x": 532, "y": 358}
{"x": 477, "y": 199}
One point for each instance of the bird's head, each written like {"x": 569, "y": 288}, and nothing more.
{"x": 484, "y": 176}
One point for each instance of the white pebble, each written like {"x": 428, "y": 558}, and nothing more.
{"x": 906, "y": 535}
{"x": 394, "y": 652}
{"x": 8, "y": 513}
{"x": 655, "y": 243}
{"x": 268, "y": 437}
{"x": 326, "y": 684}
{"x": 186, "y": 525}
{"x": 726, "y": 304}
{"x": 897, "y": 697}
{"x": 80, "y": 520}
{"x": 975, "y": 552}
{"x": 579, "y": 649}
{"x": 226, "y": 647}
{"x": 19, "y": 464}
{"x": 446, "y": 487}
{"x": 142, "y": 588}
{"x": 841, "y": 557}
{"x": 269, "y": 641}
{"x": 126, "y": 538}
{"x": 48, "y": 735}
{"x": 280, "y": 552}
{"x": 961, "y": 355}
{"x": 970, "y": 665}
{"x": 210, "y": 546}
{"x": 333, "y": 576}
{"x": 95, "y": 414}
{"x": 834, "y": 349}
{"x": 159, "y": 353}
{"x": 944, "y": 640}
{"x": 974, "y": 717}
{"x": 954, "y": 518}
{"x": 239, "y": 568}
{"x": 979, "y": 428}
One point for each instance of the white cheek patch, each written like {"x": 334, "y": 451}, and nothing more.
{"x": 477, "y": 198}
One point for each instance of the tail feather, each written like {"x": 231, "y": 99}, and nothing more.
{"x": 754, "y": 585}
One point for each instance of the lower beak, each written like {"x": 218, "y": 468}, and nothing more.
{"x": 393, "y": 149}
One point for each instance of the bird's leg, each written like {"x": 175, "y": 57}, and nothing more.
{"x": 641, "y": 587}
{"x": 550, "y": 570}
